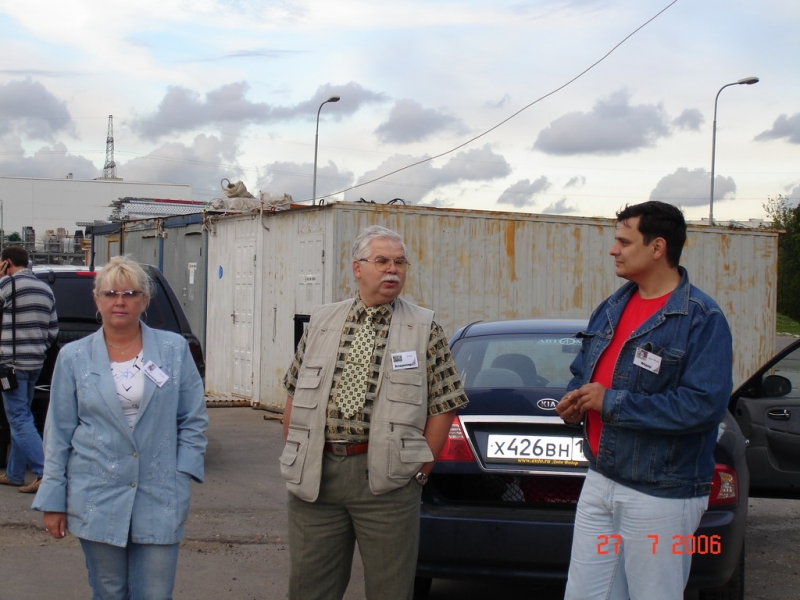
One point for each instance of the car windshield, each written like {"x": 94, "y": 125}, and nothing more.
{"x": 518, "y": 360}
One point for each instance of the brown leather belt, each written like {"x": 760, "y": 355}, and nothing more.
{"x": 346, "y": 448}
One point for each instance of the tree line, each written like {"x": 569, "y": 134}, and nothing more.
{"x": 786, "y": 217}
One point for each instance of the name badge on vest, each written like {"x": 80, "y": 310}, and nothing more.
{"x": 647, "y": 360}
{"x": 404, "y": 360}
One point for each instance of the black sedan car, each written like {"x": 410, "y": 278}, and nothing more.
{"x": 501, "y": 500}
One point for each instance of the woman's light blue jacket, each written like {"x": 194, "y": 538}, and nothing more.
{"x": 111, "y": 480}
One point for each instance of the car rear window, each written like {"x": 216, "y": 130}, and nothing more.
{"x": 529, "y": 360}
{"x": 75, "y": 302}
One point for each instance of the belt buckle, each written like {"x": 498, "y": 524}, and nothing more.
{"x": 339, "y": 449}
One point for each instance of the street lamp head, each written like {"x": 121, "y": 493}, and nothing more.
{"x": 336, "y": 98}
{"x": 748, "y": 81}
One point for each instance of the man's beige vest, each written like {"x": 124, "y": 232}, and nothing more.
{"x": 397, "y": 448}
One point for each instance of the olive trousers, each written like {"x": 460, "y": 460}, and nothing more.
{"x": 322, "y": 535}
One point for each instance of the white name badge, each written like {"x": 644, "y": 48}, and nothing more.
{"x": 155, "y": 374}
{"x": 647, "y": 360}
{"x": 404, "y": 360}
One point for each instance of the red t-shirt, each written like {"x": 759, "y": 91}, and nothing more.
{"x": 636, "y": 312}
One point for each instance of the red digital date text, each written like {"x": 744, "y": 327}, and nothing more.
{"x": 681, "y": 544}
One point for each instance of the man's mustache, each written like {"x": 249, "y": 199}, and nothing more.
{"x": 391, "y": 278}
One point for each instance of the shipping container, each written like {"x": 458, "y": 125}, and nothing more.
{"x": 267, "y": 271}
{"x": 176, "y": 245}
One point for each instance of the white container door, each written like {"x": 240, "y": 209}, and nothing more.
{"x": 242, "y": 316}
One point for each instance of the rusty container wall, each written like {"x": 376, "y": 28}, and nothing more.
{"x": 473, "y": 265}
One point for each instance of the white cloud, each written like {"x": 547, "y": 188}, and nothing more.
{"x": 29, "y": 109}
{"x": 687, "y": 187}
{"x": 690, "y": 119}
{"x": 560, "y": 207}
{"x": 414, "y": 184}
{"x": 612, "y": 127}
{"x": 53, "y": 161}
{"x": 521, "y": 194}
{"x": 784, "y": 127}
{"x": 409, "y": 122}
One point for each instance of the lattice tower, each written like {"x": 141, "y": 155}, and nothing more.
{"x": 110, "y": 168}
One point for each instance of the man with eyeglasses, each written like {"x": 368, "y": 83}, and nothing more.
{"x": 372, "y": 392}
{"x": 29, "y": 328}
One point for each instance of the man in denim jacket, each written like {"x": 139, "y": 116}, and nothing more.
{"x": 651, "y": 385}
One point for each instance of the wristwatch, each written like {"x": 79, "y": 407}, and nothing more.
{"x": 421, "y": 478}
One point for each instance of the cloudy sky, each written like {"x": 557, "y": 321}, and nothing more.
{"x": 498, "y": 105}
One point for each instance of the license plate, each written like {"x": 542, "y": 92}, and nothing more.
{"x": 541, "y": 450}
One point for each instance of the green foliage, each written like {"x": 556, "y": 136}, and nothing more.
{"x": 787, "y": 218}
{"x": 14, "y": 237}
{"x": 787, "y": 325}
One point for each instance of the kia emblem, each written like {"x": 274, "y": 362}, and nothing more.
{"x": 547, "y": 404}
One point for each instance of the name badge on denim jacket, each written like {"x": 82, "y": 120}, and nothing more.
{"x": 647, "y": 360}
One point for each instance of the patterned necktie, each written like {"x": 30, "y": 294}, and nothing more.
{"x": 352, "y": 390}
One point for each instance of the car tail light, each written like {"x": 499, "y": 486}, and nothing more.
{"x": 724, "y": 486}
{"x": 456, "y": 446}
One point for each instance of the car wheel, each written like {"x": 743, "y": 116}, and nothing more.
{"x": 422, "y": 587}
{"x": 733, "y": 590}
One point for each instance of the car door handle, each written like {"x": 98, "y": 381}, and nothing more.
{"x": 779, "y": 414}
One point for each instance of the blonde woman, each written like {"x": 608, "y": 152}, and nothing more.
{"x": 124, "y": 437}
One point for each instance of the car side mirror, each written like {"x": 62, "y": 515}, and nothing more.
{"x": 775, "y": 386}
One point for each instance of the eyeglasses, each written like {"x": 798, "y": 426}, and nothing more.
{"x": 125, "y": 295}
{"x": 383, "y": 264}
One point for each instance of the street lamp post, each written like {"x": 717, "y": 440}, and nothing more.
{"x": 316, "y": 144}
{"x": 745, "y": 81}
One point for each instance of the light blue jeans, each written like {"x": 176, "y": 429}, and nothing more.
{"x": 135, "y": 572}
{"x": 322, "y": 535}
{"x": 26, "y": 443}
{"x": 630, "y": 545}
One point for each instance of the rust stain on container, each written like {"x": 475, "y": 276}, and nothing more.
{"x": 511, "y": 248}
{"x": 724, "y": 248}
{"x": 577, "y": 291}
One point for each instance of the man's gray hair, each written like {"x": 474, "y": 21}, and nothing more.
{"x": 374, "y": 232}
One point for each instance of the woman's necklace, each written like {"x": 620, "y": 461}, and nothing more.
{"x": 125, "y": 347}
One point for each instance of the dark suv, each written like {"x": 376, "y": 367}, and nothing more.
{"x": 77, "y": 318}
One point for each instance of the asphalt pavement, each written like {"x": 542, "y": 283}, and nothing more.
{"x": 235, "y": 544}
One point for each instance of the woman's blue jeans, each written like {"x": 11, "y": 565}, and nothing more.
{"x": 135, "y": 572}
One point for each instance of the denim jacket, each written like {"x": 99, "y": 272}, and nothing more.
{"x": 111, "y": 479}
{"x": 659, "y": 429}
